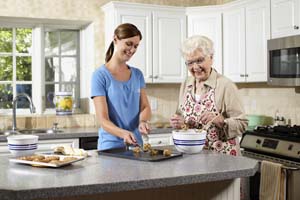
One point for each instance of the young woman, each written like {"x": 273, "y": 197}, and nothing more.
{"x": 118, "y": 93}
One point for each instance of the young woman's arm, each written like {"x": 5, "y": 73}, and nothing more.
{"x": 104, "y": 121}
{"x": 145, "y": 113}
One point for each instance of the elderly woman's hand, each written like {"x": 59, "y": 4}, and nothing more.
{"x": 176, "y": 121}
{"x": 207, "y": 117}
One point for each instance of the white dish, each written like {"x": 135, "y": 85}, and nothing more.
{"x": 22, "y": 145}
{"x": 45, "y": 164}
{"x": 189, "y": 141}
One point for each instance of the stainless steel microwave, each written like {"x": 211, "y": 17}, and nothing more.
{"x": 284, "y": 61}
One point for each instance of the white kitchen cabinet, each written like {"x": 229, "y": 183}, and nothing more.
{"x": 234, "y": 44}
{"x": 44, "y": 145}
{"x": 285, "y": 18}
{"x": 207, "y": 21}
{"x": 163, "y": 29}
{"x": 163, "y": 139}
{"x": 246, "y": 29}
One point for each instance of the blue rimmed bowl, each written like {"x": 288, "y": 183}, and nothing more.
{"x": 22, "y": 145}
{"x": 189, "y": 141}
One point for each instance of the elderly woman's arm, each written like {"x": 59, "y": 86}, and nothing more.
{"x": 232, "y": 110}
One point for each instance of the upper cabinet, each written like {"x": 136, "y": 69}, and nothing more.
{"x": 285, "y": 18}
{"x": 234, "y": 44}
{"x": 207, "y": 21}
{"x": 240, "y": 31}
{"x": 246, "y": 29}
{"x": 163, "y": 29}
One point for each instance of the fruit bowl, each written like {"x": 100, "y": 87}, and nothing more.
{"x": 189, "y": 141}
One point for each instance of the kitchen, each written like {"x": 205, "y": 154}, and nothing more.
{"x": 163, "y": 96}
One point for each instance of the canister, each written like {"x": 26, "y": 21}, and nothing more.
{"x": 63, "y": 103}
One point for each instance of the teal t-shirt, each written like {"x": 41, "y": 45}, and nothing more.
{"x": 123, "y": 101}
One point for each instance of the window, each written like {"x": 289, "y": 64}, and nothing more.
{"x": 61, "y": 64}
{"x": 43, "y": 59}
{"x": 15, "y": 65}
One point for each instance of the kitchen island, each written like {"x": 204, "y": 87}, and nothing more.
{"x": 205, "y": 175}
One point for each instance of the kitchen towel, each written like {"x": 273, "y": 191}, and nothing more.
{"x": 272, "y": 181}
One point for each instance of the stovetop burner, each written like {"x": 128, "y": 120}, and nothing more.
{"x": 291, "y": 130}
{"x": 281, "y": 132}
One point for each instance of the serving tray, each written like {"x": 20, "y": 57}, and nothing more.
{"x": 63, "y": 161}
{"x": 142, "y": 156}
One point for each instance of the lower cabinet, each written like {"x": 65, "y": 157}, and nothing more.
{"x": 44, "y": 145}
{"x": 160, "y": 139}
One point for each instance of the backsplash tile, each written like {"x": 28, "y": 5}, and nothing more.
{"x": 258, "y": 98}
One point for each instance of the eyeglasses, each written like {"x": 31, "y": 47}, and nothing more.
{"x": 191, "y": 63}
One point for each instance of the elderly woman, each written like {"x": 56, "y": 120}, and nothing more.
{"x": 208, "y": 99}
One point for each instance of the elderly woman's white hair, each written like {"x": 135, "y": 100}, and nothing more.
{"x": 195, "y": 42}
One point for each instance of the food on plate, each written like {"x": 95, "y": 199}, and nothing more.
{"x": 167, "y": 152}
{"x": 136, "y": 150}
{"x": 70, "y": 151}
{"x": 53, "y": 159}
{"x": 32, "y": 157}
{"x": 153, "y": 152}
{"x": 146, "y": 147}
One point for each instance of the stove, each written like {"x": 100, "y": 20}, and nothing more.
{"x": 280, "y": 144}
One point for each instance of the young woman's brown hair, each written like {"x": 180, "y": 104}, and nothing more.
{"x": 123, "y": 31}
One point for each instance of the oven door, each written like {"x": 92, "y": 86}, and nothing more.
{"x": 292, "y": 185}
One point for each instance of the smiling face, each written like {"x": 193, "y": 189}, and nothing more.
{"x": 199, "y": 64}
{"x": 125, "y": 48}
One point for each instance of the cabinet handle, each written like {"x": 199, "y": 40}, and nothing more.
{"x": 156, "y": 77}
{"x": 246, "y": 75}
{"x": 296, "y": 27}
{"x": 242, "y": 75}
{"x": 159, "y": 142}
{"x": 150, "y": 76}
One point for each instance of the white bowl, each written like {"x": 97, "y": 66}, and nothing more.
{"x": 189, "y": 141}
{"x": 22, "y": 145}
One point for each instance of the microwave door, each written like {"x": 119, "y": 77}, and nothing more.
{"x": 284, "y": 65}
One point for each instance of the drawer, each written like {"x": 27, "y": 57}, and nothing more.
{"x": 160, "y": 139}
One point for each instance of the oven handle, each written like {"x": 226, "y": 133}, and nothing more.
{"x": 287, "y": 167}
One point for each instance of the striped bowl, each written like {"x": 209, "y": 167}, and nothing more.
{"x": 22, "y": 145}
{"x": 189, "y": 141}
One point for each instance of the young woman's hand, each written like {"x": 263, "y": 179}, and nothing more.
{"x": 176, "y": 121}
{"x": 129, "y": 138}
{"x": 144, "y": 127}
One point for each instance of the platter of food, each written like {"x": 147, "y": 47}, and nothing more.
{"x": 147, "y": 153}
{"x": 42, "y": 160}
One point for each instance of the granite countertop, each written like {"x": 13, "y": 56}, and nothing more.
{"x": 82, "y": 132}
{"x": 102, "y": 174}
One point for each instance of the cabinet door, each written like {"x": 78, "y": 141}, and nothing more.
{"x": 169, "y": 31}
{"x": 234, "y": 44}
{"x": 285, "y": 17}
{"x": 4, "y": 149}
{"x": 209, "y": 25}
{"x": 143, "y": 56}
{"x": 257, "y": 34}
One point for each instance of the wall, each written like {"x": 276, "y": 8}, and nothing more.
{"x": 257, "y": 98}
